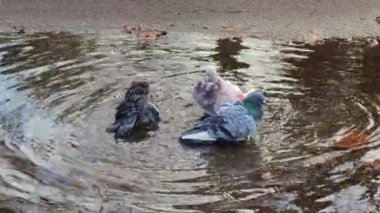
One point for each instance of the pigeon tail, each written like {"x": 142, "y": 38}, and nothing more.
{"x": 200, "y": 136}
{"x": 199, "y": 133}
{"x": 123, "y": 126}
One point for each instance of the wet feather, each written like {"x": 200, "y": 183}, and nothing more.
{"x": 136, "y": 111}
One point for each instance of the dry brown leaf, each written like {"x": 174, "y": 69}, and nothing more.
{"x": 148, "y": 34}
{"x": 352, "y": 140}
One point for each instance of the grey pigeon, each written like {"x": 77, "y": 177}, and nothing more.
{"x": 213, "y": 91}
{"x": 136, "y": 111}
{"x": 233, "y": 122}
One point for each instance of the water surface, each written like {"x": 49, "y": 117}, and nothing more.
{"x": 60, "y": 90}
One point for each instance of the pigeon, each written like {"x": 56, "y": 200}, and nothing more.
{"x": 136, "y": 111}
{"x": 213, "y": 92}
{"x": 233, "y": 123}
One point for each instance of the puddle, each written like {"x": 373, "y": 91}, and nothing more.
{"x": 60, "y": 91}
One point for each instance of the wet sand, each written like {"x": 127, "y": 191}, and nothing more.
{"x": 273, "y": 19}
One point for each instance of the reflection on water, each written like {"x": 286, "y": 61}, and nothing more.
{"x": 60, "y": 91}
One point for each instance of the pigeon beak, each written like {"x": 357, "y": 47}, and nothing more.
{"x": 265, "y": 103}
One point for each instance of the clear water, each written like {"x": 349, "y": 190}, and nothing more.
{"x": 59, "y": 91}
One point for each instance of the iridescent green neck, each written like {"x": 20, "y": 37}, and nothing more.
{"x": 254, "y": 109}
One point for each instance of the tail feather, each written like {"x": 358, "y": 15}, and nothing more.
{"x": 122, "y": 127}
{"x": 198, "y": 136}
{"x": 113, "y": 127}
{"x": 123, "y": 131}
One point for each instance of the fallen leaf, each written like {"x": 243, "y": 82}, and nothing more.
{"x": 148, "y": 33}
{"x": 352, "y": 140}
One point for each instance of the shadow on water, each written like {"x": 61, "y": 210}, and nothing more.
{"x": 61, "y": 90}
{"x": 227, "y": 50}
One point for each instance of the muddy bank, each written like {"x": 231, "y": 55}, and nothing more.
{"x": 261, "y": 18}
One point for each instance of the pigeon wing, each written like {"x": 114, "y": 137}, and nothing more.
{"x": 150, "y": 117}
{"x": 205, "y": 94}
{"x": 232, "y": 123}
{"x": 125, "y": 119}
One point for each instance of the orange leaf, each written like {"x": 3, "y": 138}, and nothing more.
{"x": 148, "y": 34}
{"x": 352, "y": 140}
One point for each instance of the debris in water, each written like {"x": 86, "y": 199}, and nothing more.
{"x": 128, "y": 29}
{"x": 149, "y": 34}
{"x": 377, "y": 195}
{"x": 71, "y": 140}
{"x": 144, "y": 33}
{"x": 267, "y": 175}
{"x": 230, "y": 28}
{"x": 19, "y": 29}
{"x": 378, "y": 19}
{"x": 352, "y": 140}
{"x": 240, "y": 32}
{"x": 310, "y": 37}
{"x": 373, "y": 164}
{"x": 371, "y": 42}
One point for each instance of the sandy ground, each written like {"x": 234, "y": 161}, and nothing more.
{"x": 275, "y": 19}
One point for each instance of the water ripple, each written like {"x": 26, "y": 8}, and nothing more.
{"x": 60, "y": 91}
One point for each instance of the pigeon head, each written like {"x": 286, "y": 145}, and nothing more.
{"x": 255, "y": 97}
{"x": 211, "y": 74}
{"x": 138, "y": 89}
{"x": 253, "y": 102}
{"x": 142, "y": 84}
